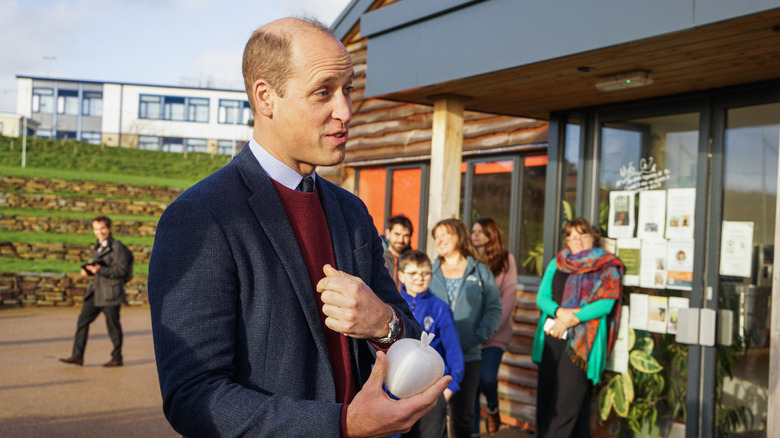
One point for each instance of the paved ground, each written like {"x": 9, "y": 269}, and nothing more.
{"x": 39, "y": 396}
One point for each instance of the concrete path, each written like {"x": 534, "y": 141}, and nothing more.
{"x": 40, "y": 396}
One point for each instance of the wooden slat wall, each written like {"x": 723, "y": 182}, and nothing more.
{"x": 387, "y": 130}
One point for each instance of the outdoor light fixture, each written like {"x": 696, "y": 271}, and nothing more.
{"x": 624, "y": 80}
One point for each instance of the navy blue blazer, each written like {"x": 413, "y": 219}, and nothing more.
{"x": 239, "y": 345}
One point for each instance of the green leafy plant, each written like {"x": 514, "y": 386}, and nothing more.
{"x": 536, "y": 258}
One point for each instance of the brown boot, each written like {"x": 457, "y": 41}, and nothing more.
{"x": 73, "y": 360}
{"x": 113, "y": 363}
{"x": 493, "y": 420}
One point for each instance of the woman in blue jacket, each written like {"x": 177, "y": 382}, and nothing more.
{"x": 470, "y": 290}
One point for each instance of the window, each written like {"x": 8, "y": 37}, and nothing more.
{"x": 43, "y": 100}
{"x": 227, "y": 147}
{"x": 92, "y": 104}
{"x": 196, "y": 145}
{"x": 149, "y": 107}
{"x": 43, "y": 133}
{"x": 172, "y": 144}
{"x": 182, "y": 109}
{"x": 148, "y": 143}
{"x": 389, "y": 191}
{"x": 91, "y": 137}
{"x": 234, "y": 112}
{"x": 68, "y": 102}
{"x": 174, "y": 108}
{"x": 198, "y": 110}
{"x": 66, "y": 135}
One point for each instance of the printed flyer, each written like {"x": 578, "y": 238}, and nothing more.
{"x": 621, "y": 214}
{"x": 628, "y": 250}
{"x": 680, "y": 270}
{"x": 652, "y": 270}
{"x": 680, "y": 207}
{"x": 652, "y": 214}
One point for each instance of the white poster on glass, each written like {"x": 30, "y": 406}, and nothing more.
{"x": 618, "y": 359}
{"x": 652, "y": 214}
{"x": 675, "y": 303}
{"x": 657, "y": 314}
{"x": 680, "y": 207}
{"x": 653, "y": 265}
{"x": 736, "y": 249}
{"x": 621, "y": 214}
{"x": 680, "y": 271}
{"x": 638, "y": 317}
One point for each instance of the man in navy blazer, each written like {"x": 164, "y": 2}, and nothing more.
{"x": 254, "y": 335}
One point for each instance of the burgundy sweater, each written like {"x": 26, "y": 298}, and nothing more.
{"x": 310, "y": 227}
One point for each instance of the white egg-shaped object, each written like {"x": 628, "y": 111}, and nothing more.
{"x": 412, "y": 366}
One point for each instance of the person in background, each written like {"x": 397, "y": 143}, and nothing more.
{"x": 470, "y": 289}
{"x": 435, "y": 317}
{"x": 110, "y": 267}
{"x": 270, "y": 303}
{"x": 399, "y": 237}
{"x": 580, "y": 296}
{"x": 488, "y": 239}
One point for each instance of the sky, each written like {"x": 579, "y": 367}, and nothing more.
{"x": 194, "y": 43}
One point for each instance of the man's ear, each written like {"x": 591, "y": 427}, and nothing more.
{"x": 264, "y": 98}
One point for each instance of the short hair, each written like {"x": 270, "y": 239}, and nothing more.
{"x": 401, "y": 220}
{"x": 103, "y": 219}
{"x": 458, "y": 228}
{"x": 413, "y": 257}
{"x": 582, "y": 226}
{"x": 268, "y": 55}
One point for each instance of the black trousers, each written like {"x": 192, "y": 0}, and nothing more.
{"x": 461, "y": 404}
{"x": 562, "y": 395}
{"x": 88, "y": 314}
{"x": 432, "y": 424}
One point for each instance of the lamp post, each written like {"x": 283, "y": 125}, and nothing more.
{"x": 24, "y": 142}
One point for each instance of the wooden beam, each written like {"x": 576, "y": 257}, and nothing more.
{"x": 446, "y": 154}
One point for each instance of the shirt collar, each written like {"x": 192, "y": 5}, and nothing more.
{"x": 275, "y": 169}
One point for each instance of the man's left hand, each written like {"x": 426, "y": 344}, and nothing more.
{"x": 93, "y": 268}
{"x": 351, "y": 307}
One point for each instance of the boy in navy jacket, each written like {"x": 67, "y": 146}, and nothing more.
{"x": 435, "y": 316}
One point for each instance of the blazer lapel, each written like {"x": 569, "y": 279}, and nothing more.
{"x": 342, "y": 252}
{"x": 337, "y": 226}
{"x": 271, "y": 216}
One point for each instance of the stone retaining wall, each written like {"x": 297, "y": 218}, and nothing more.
{"x": 74, "y": 226}
{"x": 62, "y": 251}
{"x": 105, "y": 206}
{"x": 86, "y": 187}
{"x": 42, "y": 289}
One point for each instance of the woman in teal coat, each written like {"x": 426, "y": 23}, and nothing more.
{"x": 470, "y": 290}
{"x": 580, "y": 302}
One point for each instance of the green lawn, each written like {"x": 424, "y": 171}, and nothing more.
{"x": 75, "y": 215}
{"x": 77, "y": 239}
{"x": 54, "y": 266}
{"x": 85, "y": 162}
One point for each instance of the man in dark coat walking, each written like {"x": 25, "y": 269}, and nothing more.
{"x": 110, "y": 268}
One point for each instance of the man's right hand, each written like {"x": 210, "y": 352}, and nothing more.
{"x": 373, "y": 413}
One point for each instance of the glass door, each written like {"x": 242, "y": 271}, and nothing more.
{"x": 648, "y": 183}
{"x": 743, "y": 250}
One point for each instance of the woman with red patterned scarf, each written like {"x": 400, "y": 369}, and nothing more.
{"x": 580, "y": 296}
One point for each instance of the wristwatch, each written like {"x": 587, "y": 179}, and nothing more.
{"x": 394, "y": 329}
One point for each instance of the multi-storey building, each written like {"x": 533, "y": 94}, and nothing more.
{"x": 143, "y": 116}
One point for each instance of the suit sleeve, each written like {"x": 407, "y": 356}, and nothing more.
{"x": 193, "y": 296}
